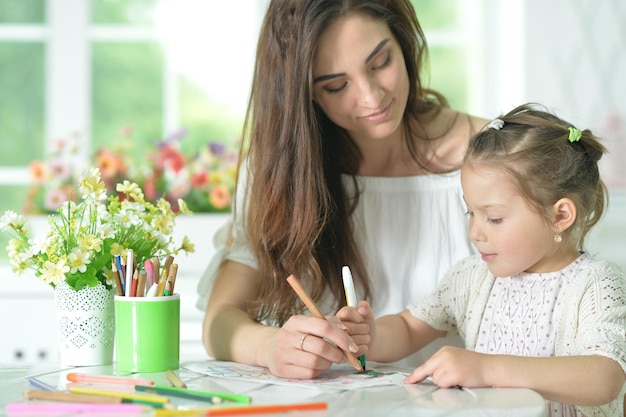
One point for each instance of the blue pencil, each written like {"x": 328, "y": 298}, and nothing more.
{"x": 118, "y": 263}
{"x": 40, "y": 384}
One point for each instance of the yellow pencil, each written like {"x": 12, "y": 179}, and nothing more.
{"x": 119, "y": 394}
{"x": 175, "y": 379}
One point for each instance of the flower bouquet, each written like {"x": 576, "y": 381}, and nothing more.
{"x": 84, "y": 236}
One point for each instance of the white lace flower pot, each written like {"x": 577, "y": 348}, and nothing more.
{"x": 86, "y": 325}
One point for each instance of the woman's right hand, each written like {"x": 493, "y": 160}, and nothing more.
{"x": 306, "y": 346}
{"x": 230, "y": 334}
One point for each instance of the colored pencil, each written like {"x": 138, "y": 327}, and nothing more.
{"x": 175, "y": 379}
{"x": 106, "y": 379}
{"x": 171, "y": 276}
{"x": 297, "y": 287}
{"x": 351, "y": 300}
{"x": 180, "y": 393}
{"x": 130, "y": 262}
{"x": 156, "y": 399}
{"x": 141, "y": 284}
{"x": 57, "y": 408}
{"x": 70, "y": 397}
{"x": 116, "y": 276}
{"x": 40, "y": 384}
{"x": 265, "y": 409}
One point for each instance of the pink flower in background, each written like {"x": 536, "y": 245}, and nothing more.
{"x": 60, "y": 169}
{"x": 220, "y": 196}
{"x": 55, "y": 198}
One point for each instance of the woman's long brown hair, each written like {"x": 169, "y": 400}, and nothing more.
{"x": 298, "y": 214}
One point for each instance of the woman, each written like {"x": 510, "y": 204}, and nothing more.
{"x": 350, "y": 161}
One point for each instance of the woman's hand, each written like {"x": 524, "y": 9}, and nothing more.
{"x": 307, "y": 346}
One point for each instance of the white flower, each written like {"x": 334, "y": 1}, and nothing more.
{"x": 79, "y": 260}
{"x": 54, "y": 272}
{"x": 11, "y": 219}
{"x": 129, "y": 217}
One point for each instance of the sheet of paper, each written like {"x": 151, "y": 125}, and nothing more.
{"x": 338, "y": 377}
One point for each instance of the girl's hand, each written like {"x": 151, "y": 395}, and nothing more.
{"x": 453, "y": 366}
{"x": 360, "y": 325}
{"x": 298, "y": 349}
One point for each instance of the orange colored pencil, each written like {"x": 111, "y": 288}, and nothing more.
{"x": 106, "y": 379}
{"x": 116, "y": 276}
{"x": 297, "y": 287}
{"x": 264, "y": 409}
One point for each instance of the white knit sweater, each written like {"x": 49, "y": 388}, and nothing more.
{"x": 592, "y": 322}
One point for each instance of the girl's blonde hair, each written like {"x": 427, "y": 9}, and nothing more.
{"x": 549, "y": 159}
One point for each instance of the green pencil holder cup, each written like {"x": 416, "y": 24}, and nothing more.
{"x": 147, "y": 333}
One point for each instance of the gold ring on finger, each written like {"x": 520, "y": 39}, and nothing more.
{"x": 304, "y": 336}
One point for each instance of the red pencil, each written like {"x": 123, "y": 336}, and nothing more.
{"x": 264, "y": 409}
{"x": 135, "y": 283}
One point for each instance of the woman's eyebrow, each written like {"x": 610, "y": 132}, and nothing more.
{"x": 375, "y": 51}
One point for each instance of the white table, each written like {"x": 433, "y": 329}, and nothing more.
{"x": 389, "y": 401}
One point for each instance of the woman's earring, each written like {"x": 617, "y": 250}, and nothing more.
{"x": 558, "y": 238}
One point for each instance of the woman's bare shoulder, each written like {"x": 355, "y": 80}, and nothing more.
{"x": 476, "y": 123}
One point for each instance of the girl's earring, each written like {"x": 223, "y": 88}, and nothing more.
{"x": 558, "y": 238}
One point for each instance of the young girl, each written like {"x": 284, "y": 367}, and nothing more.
{"x": 533, "y": 308}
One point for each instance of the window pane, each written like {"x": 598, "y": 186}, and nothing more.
{"x": 204, "y": 119}
{"x": 22, "y": 11}
{"x": 448, "y": 77}
{"x": 127, "y": 91}
{"x": 133, "y": 12}
{"x": 437, "y": 14}
{"x": 21, "y": 102}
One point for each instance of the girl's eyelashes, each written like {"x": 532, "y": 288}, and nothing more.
{"x": 491, "y": 220}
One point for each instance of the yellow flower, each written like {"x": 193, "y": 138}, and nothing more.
{"x": 182, "y": 207}
{"x": 131, "y": 189}
{"x": 187, "y": 246}
{"x": 90, "y": 243}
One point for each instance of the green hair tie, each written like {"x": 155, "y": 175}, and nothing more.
{"x": 574, "y": 134}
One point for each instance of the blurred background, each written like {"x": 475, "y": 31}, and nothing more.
{"x": 85, "y": 78}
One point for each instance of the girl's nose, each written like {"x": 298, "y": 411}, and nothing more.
{"x": 475, "y": 232}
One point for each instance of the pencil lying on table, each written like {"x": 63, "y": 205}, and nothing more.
{"x": 175, "y": 379}
{"x": 297, "y": 287}
{"x": 106, "y": 379}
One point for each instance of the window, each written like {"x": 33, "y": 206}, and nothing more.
{"x": 450, "y": 27}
